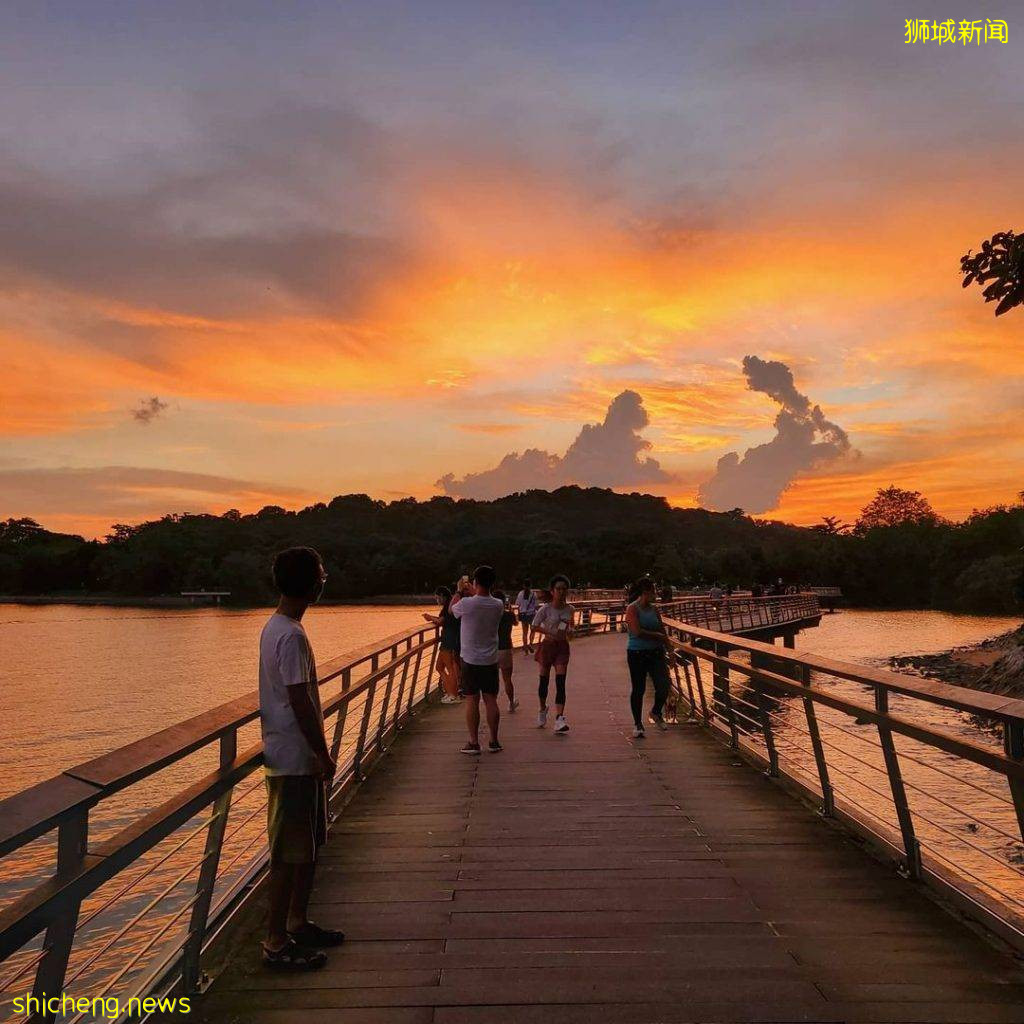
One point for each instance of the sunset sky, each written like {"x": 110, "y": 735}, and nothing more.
{"x": 259, "y": 253}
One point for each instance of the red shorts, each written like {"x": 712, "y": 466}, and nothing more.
{"x": 553, "y": 653}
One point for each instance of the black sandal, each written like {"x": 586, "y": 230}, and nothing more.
{"x": 311, "y": 934}
{"x": 293, "y": 957}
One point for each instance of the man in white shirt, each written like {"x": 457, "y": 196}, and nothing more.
{"x": 479, "y": 615}
{"x": 297, "y": 763}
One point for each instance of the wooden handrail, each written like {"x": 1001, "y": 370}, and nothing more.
{"x": 959, "y": 698}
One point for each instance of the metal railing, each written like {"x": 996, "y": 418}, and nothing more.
{"x": 162, "y": 893}
{"x": 132, "y": 913}
{"x": 743, "y": 614}
{"x": 932, "y": 774}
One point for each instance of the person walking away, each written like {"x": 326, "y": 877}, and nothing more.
{"x": 297, "y": 763}
{"x": 505, "y": 660}
{"x": 480, "y": 615}
{"x": 554, "y": 621}
{"x": 646, "y": 656}
{"x": 448, "y": 646}
{"x": 526, "y": 606}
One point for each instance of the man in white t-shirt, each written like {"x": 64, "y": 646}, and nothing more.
{"x": 297, "y": 763}
{"x": 479, "y": 616}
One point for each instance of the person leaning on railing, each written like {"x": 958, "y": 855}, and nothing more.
{"x": 449, "y": 646}
{"x": 645, "y": 656}
{"x": 298, "y": 765}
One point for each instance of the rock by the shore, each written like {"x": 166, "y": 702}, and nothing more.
{"x": 995, "y": 666}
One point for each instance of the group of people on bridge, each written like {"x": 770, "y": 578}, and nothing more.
{"x": 475, "y": 649}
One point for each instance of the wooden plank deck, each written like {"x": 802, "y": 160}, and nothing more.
{"x": 592, "y": 879}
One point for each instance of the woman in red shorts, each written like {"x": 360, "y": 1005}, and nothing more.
{"x": 554, "y": 621}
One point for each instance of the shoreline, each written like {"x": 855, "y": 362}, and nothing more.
{"x": 988, "y": 666}
{"x": 186, "y": 603}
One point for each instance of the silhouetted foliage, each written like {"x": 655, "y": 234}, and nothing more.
{"x": 1000, "y": 267}
{"x": 893, "y": 506}
{"x": 905, "y": 556}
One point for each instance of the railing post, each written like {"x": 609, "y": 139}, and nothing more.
{"x": 416, "y": 678}
{"x": 385, "y": 704}
{"x": 192, "y": 977}
{"x": 705, "y": 710}
{"x": 357, "y": 767}
{"x": 401, "y": 691}
{"x": 766, "y": 721}
{"x": 828, "y": 799}
{"x": 1013, "y": 745}
{"x": 676, "y": 659}
{"x": 720, "y": 676}
{"x": 72, "y": 845}
{"x": 899, "y": 793}
{"x": 339, "y": 722}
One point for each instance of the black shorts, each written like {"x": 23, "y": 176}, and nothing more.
{"x": 479, "y": 679}
{"x": 296, "y": 818}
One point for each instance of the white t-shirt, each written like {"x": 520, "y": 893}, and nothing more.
{"x": 548, "y": 617}
{"x": 526, "y": 602}
{"x": 480, "y": 616}
{"x": 286, "y": 659}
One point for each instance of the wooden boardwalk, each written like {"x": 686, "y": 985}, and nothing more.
{"x": 592, "y": 879}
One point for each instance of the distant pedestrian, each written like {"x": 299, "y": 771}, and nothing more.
{"x": 448, "y": 648}
{"x": 480, "y": 614}
{"x": 297, "y": 763}
{"x": 526, "y": 606}
{"x": 757, "y": 590}
{"x": 554, "y": 621}
{"x": 645, "y": 656}
{"x": 505, "y": 660}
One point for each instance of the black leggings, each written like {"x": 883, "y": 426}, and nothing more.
{"x": 542, "y": 689}
{"x": 641, "y": 664}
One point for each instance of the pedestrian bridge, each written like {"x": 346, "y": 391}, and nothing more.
{"x": 808, "y": 841}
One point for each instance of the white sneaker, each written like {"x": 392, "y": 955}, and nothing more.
{"x": 658, "y": 721}
{"x": 638, "y": 733}
{"x": 542, "y": 718}
{"x": 561, "y": 725}
{"x": 449, "y": 699}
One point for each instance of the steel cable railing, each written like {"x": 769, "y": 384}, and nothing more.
{"x": 758, "y": 717}
{"x": 368, "y": 695}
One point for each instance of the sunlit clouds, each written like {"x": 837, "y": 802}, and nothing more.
{"x": 431, "y": 238}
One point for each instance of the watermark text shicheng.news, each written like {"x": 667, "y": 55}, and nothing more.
{"x": 109, "y": 1007}
{"x": 922, "y": 30}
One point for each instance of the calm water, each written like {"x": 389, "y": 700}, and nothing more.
{"x": 76, "y": 682}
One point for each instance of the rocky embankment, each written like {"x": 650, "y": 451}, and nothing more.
{"x": 995, "y": 666}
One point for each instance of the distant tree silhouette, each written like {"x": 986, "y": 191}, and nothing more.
{"x": 1000, "y": 267}
{"x": 900, "y": 556}
{"x": 894, "y": 506}
{"x": 833, "y": 526}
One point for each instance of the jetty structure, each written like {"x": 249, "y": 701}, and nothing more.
{"x": 808, "y": 840}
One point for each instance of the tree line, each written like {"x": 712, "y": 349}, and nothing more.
{"x": 898, "y": 553}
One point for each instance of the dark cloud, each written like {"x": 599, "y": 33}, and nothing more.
{"x": 803, "y": 440}
{"x": 148, "y": 409}
{"x": 606, "y": 454}
{"x": 282, "y": 209}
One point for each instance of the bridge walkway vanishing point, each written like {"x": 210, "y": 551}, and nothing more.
{"x": 593, "y": 878}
